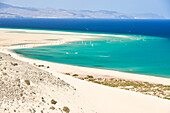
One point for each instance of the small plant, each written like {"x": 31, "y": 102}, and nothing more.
{"x": 53, "y": 101}
{"x": 66, "y": 109}
{"x": 75, "y": 75}
{"x": 67, "y": 73}
{"x": 89, "y": 76}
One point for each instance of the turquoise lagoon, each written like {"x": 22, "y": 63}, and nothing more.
{"x": 134, "y": 54}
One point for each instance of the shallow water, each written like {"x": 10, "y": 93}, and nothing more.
{"x": 135, "y": 54}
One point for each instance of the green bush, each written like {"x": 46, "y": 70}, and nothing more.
{"x": 89, "y": 76}
{"x": 75, "y": 75}
{"x": 53, "y": 101}
{"x": 66, "y": 109}
{"x": 67, "y": 73}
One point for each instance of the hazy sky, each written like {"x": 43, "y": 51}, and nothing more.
{"x": 160, "y": 7}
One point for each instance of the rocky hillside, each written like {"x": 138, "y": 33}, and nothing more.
{"x": 27, "y": 89}
{"x": 9, "y": 11}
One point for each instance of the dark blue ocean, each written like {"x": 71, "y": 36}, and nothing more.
{"x": 160, "y": 28}
{"x": 146, "y": 51}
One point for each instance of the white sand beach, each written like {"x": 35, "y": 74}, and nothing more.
{"x": 80, "y": 96}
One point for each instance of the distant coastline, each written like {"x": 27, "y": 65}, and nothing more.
{"x": 10, "y": 11}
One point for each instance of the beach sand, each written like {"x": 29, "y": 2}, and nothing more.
{"x": 80, "y": 96}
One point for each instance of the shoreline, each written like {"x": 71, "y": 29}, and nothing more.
{"x": 83, "y": 70}
{"x": 97, "y": 73}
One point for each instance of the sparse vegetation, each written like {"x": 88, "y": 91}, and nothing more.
{"x": 159, "y": 90}
{"x": 40, "y": 65}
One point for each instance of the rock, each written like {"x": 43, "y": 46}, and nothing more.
{"x": 52, "y": 107}
{"x": 43, "y": 99}
{"x": 4, "y": 73}
{"x": 17, "y": 80}
{"x": 27, "y": 82}
{"x": 40, "y": 65}
{"x": 14, "y": 64}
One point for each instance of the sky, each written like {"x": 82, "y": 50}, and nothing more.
{"x": 160, "y": 7}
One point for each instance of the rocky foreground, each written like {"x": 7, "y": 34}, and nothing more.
{"x": 27, "y": 89}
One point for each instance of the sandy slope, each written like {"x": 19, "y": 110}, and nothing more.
{"x": 35, "y": 94}
{"x": 88, "y": 97}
